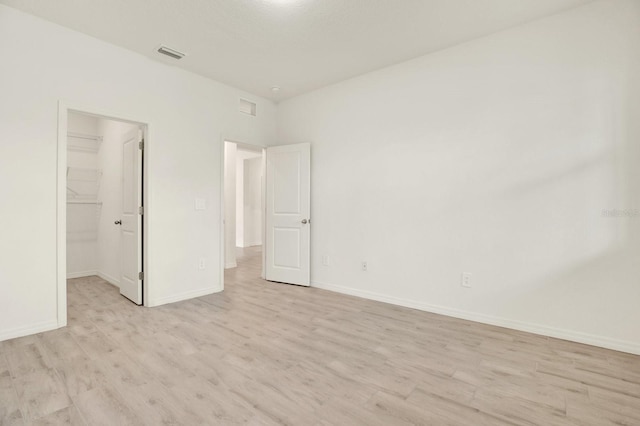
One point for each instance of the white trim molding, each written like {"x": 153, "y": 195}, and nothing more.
{"x": 110, "y": 279}
{"x": 543, "y": 330}
{"x": 31, "y": 329}
{"x": 61, "y": 215}
{"x": 81, "y": 274}
{"x": 184, "y": 296}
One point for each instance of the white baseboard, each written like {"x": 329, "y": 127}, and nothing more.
{"x": 250, "y": 244}
{"x": 81, "y": 274}
{"x": 108, "y": 278}
{"x": 574, "y": 336}
{"x": 184, "y": 296}
{"x": 228, "y": 265}
{"x": 28, "y": 330}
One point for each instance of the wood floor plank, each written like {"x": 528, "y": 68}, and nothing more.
{"x": 97, "y": 344}
{"x": 41, "y": 393}
{"x": 589, "y": 414}
{"x": 593, "y": 379}
{"x": 80, "y": 374}
{"x": 105, "y": 406}
{"x": 27, "y": 358}
{"x": 517, "y": 410}
{"x": 10, "y": 413}
{"x": 66, "y": 416}
{"x": 444, "y": 387}
{"x": 123, "y": 371}
{"x": 60, "y": 345}
{"x": 400, "y": 411}
{"x": 212, "y": 404}
{"x": 628, "y": 406}
{"x": 453, "y": 409}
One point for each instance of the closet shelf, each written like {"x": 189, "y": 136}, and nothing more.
{"x": 99, "y": 203}
{"x": 81, "y": 142}
{"x": 83, "y": 185}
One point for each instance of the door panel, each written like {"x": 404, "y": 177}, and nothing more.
{"x": 130, "y": 236}
{"x": 288, "y": 207}
{"x": 286, "y": 242}
{"x": 286, "y": 188}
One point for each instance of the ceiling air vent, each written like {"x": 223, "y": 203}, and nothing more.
{"x": 171, "y": 52}
{"x": 247, "y": 107}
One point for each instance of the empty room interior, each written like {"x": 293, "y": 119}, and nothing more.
{"x": 320, "y": 212}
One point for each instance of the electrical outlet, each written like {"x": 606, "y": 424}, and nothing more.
{"x": 202, "y": 264}
{"x": 325, "y": 260}
{"x": 466, "y": 279}
{"x": 201, "y": 204}
{"x": 364, "y": 266}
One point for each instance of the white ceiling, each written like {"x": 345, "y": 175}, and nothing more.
{"x": 299, "y": 45}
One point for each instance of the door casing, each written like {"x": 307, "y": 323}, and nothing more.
{"x": 294, "y": 224}
{"x": 64, "y": 108}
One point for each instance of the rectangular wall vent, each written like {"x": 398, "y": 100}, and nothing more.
{"x": 247, "y": 107}
{"x": 172, "y": 53}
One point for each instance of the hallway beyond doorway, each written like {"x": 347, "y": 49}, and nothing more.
{"x": 249, "y": 260}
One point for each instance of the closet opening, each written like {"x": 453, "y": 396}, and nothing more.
{"x": 103, "y": 210}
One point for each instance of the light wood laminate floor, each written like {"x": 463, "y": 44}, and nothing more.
{"x": 266, "y": 353}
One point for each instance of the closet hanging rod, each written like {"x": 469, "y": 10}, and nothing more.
{"x": 83, "y": 202}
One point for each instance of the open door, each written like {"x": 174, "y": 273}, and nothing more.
{"x": 288, "y": 209}
{"x": 131, "y": 218}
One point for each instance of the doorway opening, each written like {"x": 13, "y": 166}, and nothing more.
{"x": 284, "y": 214}
{"x": 243, "y": 209}
{"x": 102, "y": 162}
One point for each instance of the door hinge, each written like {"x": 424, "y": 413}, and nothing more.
{"x": 141, "y": 210}
{"x": 141, "y": 145}
{"x": 141, "y": 275}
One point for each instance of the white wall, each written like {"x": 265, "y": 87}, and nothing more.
{"x": 252, "y": 200}
{"x": 82, "y": 123}
{"x": 495, "y": 157}
{"x": 248, "y": 197}
{"x": 188, "y": 117}
{"x": 230, "y": 163}
{"x": 82, "y": 228}
{"x": 240, "y": 200}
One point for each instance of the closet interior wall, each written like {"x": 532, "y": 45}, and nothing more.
{"x": 94, "y": 201}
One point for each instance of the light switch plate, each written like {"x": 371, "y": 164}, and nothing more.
{"x": 201, "y": 204}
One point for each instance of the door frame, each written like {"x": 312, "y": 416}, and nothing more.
{"x": 223, "y": 204}
{"x": 61, "y": 196}
{"x": 302, "y": 222}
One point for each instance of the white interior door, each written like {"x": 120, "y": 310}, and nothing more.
{"x": 288, "y": 207}
{"x": 131, "y": 218}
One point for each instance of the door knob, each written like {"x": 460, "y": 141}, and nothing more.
{"x": 118, "y": 222}
{"x": 304, "y": 221}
